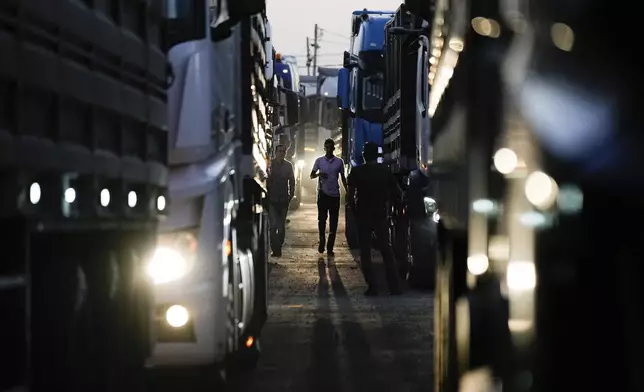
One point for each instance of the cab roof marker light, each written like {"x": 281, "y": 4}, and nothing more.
{"x": 70, "y": 195}
{"x": 131, "y": 199}
{"x": 105, "y": 197}
{"x": 161, "y": 203}
{"x": 35, "y": 193}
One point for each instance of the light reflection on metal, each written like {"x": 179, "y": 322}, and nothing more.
{"x": 562, "y": 36}
{"x": 535, "y": 219}
{"x": 541, "y": 190}
{"x": 499, "y": 248}
{"x": 478, "y": 264}
{"x": 462, "y": 332}
{"x": 484, "y": 206}
{"x": 521, "y": 276}
{"x": 486, "y": 27}
{"x": 505, "y": 160}
{"x": 570, "y": 199}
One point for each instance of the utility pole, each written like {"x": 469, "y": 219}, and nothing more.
{"x": 308, "y": 57}
{"x": 315, "y": 50}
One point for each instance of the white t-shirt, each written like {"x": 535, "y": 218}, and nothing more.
{"x": 332, "y": 167}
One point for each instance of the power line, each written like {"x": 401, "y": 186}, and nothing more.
{"x": 334, "y": 42}
{"x": 335, "y": 34}
{"x": 319, "y": 55}
{"x": 323, "y": 65}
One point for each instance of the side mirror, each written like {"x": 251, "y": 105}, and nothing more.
{"x": 346, "y": 59}
{"x": 343, "y": 88}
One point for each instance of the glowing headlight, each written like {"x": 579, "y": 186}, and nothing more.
{"x": 436, "y": 217}
{"x": 430, "y": 206}
{"x": 167, "y": 265}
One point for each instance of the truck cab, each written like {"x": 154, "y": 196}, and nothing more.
{"x": 360, "y": 86}
{"x": 209, "y": 269}
{"x": 290, "y": 132}
{"x": 360, "y": 93}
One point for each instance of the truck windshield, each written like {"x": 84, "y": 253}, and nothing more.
{"x": 372, "y": 91}
{"x": 184, "y": 21}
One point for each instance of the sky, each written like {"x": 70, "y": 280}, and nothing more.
{"x": 294, "y": 20}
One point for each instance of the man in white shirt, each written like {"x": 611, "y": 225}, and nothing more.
{"x": 327, "y": 169}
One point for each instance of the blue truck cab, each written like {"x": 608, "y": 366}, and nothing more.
{"x": 361, "y": 93}
{"x": 361, "y": 84}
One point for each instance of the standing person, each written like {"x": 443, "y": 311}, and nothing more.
{"x": 327, "y": 168}
{"x": 371, "y": 186}
{"x": 281, "y": 188}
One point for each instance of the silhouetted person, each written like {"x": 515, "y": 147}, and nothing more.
{"x": 371, "y": 186}
{"x": 330, "y": 168}
{"x": 281, "y": 188}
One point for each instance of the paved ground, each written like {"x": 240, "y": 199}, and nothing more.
{"x": 324, "y": 335}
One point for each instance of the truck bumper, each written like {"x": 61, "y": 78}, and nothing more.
{"x": 201, "y": 341}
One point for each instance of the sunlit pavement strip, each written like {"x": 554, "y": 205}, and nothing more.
{"x": 323, "y": 334}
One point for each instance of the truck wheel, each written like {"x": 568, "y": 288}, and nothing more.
{"x": 422, "y": 274}
{"x": 400, "y": 238}
{"x": 351, "y": 230}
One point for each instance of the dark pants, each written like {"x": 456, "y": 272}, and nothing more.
{"x": 277, "y": 222}
{"x": 328, "y": 205}
{"x": 380, "y": 227}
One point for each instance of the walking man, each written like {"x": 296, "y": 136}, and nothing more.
{"x": 371, "y": 186}
{"x": 281, "y": 188}
{"x": 328, "y": 168}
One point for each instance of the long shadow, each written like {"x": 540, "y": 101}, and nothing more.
{"x": 404, "y": 339}
{"x": 325, "y": 373}
{"x": 364, "y": 368}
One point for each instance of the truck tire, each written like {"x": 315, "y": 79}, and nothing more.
{"x": 422, "y": 273}
{"x": 400, "y": 240}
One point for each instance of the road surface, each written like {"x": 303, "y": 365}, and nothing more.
{"x": 322, "y": 334}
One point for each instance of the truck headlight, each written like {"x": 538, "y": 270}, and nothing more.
{"x": 173, "y": 257}
{"x": 430, "y": 206}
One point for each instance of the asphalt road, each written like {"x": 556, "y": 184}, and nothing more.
{"x": 324, "y": 335}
